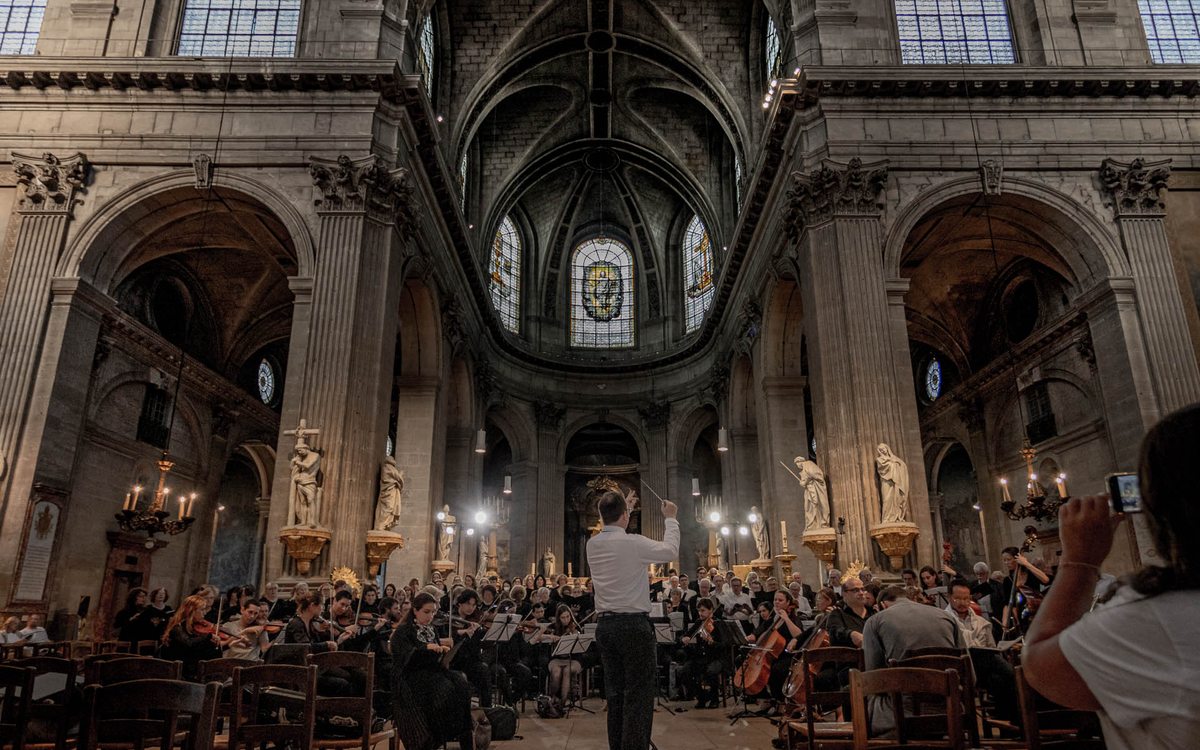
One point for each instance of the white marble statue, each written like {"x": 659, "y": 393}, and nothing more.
{"x": 445, "y": 534}
{"x": 893, "y": 484}
{"x": 816, "y": 495}
{"x": 481, "y": 573}
{"x": 759, "y": 528}
{"x": 306, "y": 465}
{"x": 391, "y": 488}
{"x": 722, "y": 553}
{"x": 548, "y": 563}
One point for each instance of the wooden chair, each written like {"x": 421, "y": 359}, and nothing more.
{"x": 966, "y": 678}
{"x": 927, "y": 729}
{"x": 358, "y": 706}
{"x": 81, "y": 649}
{"x": 221, "y": 672}
{"x": 90, "y": 664}
{"x": 250, "y": 686}
{"x": 146, "y": 648}
{"x": 934, "y": 651}
{"x": 112, "y": 647}
{"x": 145, "y": 713}
{"x": 115, "y": 671}
{"x": 1049, "y": 725}
{"x": 17, "y": 683}
{"x": 10, "y": 652}
{"x": 825, "y": 733}
{"x": 57, "y": 715}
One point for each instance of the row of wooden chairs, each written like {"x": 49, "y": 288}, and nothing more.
{"x": 77, "y": 650}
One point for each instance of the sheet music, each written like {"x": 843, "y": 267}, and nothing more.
{"x": 541, "y": 628}
{"x": 503, "y": 628}
{"x": 663, "y": 632}
{"x": 658, "y": 610}
{"x": 676, "y": 619}
{"x": 573, "y": 644}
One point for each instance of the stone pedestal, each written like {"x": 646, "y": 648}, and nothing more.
{"x": 895, "y": 540}
{"x": 764, "y": 567}
{"x": 304, "y": 544}
{"x": 380, "y": 546}
{"x": 823, "y": 544}
{"x": 785, "y": 564}
{"x": 445, "y": 567}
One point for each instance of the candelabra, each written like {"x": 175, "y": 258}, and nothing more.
{"x": 1037, "y": 506}
{"x": 155, "y": 519}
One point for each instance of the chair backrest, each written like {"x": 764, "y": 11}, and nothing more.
{"x": 112, "y": 647}
{"x": 966, "y": 677}
{"x": 358, "y": 706}
{"x": 221, "y": 671}
{"x": 55, "y": 714}
{"x": 899, "y": 682}
{"x": 11, "y": 652}
{"x": 933, "y": 651}
{"x": 273, "y": 685}
{"x": 146, "y": 648}
{"x": 91, "y": 661}
{"x": 17, "y": 683}
{"x": 819, "y": 657}
{"x": 1048, "y": 725}
{"x": 80, "y": 649}
{"x": 114, "y": 671}
{"x": 143, "y": 712}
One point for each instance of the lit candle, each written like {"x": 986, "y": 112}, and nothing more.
{"x": 182, "y": 501}
{"x": 1004, "y": 489}
{"x": 570, "y": 574}
{"x": 127, "y": 500}
{"x": 1062, "y": 485}
{"x": 533, "y": 569}
{"x": 191, "y": 502}
{"x": 137, "y": 493}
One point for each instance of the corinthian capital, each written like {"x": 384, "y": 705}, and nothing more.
{"x": 367, "y": 185}
{"x": 1138, "y": 188}
{"x": 834, "y": 189}
{"x": 50, "y": 183}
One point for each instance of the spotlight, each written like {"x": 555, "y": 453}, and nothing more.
{"x": 439, "y": 118}
{"x": 724, "y": 531}
{"x": 766, "y": 105}
{"x": 722, "y": 440}
{"x": 507, "y": 484}
{"x": 480, "y": 517}
{"x": 220, "y": 507}
{"x": 743, "y": 531}
{"x": 441, "y": 516}
{"x": 753, "y": 518}
{"x": 450, "y": 531}
{"x": 715, "y": 517}
{"x": 481, "y": 441}
{"x": 470, "y": 532}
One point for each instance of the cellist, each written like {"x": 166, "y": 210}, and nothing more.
{"x": 707, "y": 657}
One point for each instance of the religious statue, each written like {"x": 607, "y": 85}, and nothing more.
{"x": 391, "y": 487}
{"x": 816, "y": 495}
{"x": 445, "y": 534}
{"x": 701, "y": 552}
{"x": 481, "y": 573}
{"x": 306, "y": 467}
{"x": 722, "y": 553}
{"x": 893, "y": 484}
{"x": 759, "y": 528}
{"x": 548, "y": 563}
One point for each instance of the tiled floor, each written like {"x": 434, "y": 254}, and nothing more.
{"x": 708, "y": 729}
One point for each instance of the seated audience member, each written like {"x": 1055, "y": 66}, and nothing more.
{"x": 834, "y": 581}
{"x": 33, "y": 632}
{"x": 992, "y": 671}
{"x": 866, "y": 576}
{"x": 1133, "y": 659}
{"x": 803, "y": 607}
{"x": 12, "y": 631}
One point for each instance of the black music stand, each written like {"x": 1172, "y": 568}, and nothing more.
{"x": 737, "y": 641}
{"x": 569, "y": 646}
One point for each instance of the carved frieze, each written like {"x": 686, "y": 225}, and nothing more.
{"x": 548, "y": 416}
{"x": 1138, "y": 187}
{"x": 718, "y": 382}
{"x": 50, "y": 183}
{"x": 366, "y": 184}
{"x": 991, "y": 172}
{"x": 834, "y": 189}
{"x": 749, "y": 327}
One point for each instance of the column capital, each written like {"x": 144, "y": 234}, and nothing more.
{"x": 366, "y": 185}
{"x": 50, "y": 183}
{"x": 834, "y": 189}
{"x": 1138, "y": 187}
{"x": 548, "y": 416}
{"x": 655, "y": 415}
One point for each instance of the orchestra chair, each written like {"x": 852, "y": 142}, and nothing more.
{"x": 112, "y": 647}
{"x": 90, "y": 662}
{"x": 824, "y": 733}
{"x": 358, "y": 707}
{"x": 966, "y": 679}
{"x": 114, "y": 671}
{"x": 57, "y": 715}
{"x": 921, "y": 684}
{"x": 252, "y": 684}
{"x": 146, "y": 648}
{"x": 1048, "y": 725}
{"x": 17, "y": 683}
{"x": 147, "y": 713}
{"x": 221, "y": 671}
{"x": 934, "y": 651}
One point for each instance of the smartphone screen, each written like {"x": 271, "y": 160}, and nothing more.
{"x": 1126, "y": 493}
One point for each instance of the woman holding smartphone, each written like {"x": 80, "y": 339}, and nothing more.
{"x": 1134, "y": 659}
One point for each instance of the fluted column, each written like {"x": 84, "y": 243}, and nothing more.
{"x": 550, "y": 487}
{"x": 417, "y": 436}
{"x": 655, "y": 420}
{"x": 786, "y": 436}
{"x": 1137, "y": 189}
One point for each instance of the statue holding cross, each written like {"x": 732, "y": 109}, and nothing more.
{"x": 305, "y": 490}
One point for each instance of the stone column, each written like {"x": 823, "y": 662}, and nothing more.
{"x": 522, "y": 523}
{"x": 857, "y": 392}
{"x": 655, "y": 419}
{"x": 263, "y": 504}
{"x": 551, "y": 478}
{"x": 781, "y": 412}
{"x": 344, "y": 380}
{"x": 416, "y": 437}
{"x": 1137, "y": 190}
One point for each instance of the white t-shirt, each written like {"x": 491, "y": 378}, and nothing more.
{"x": 1139, "y": 658}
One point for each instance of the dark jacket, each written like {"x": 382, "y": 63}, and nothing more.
{"x": 297, "y": 632}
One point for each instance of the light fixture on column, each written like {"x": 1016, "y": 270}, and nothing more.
{"x": 724, "y": 531}
{"x": 481, "y": 441}
{"x": 480, "y": 517}
{"x": 722, "y": 440}
{"x": 715, "y": 517}
{"x": 507, "y": 484}
{"x": 449, "y": 531}
{"x": 744, "y": 531}
{"x": 695, "y": 487}
{"x": 441, "y": 515}
{"x": 470, "y": 532}
{"x": 752, "y": 518}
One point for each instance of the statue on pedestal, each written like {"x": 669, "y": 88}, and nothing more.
{"x": 548, "y": 563}
{"x": 304, "y": 494}
{"x": 759, "y": 528}
{"x": 893, "y": 484}
{"x": 391, "y": 488}
{"x": 722, "y": 554}
{"x": 816, "y": 495}
{"x": 445, "y": 534}
{"x": 482, "y": 572}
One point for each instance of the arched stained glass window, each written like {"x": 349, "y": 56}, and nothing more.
{"x": 462, "y": 182}
{"x": 697, "y": 274}
{"x": 773, "y": 51}
{"x": 602, "y": 294}
{"x": 954, "y": 31}
{"x": 504, "y": 275}
{"x": 247, "y": 28}
{"x": 20, "y": 22}
{"x": 425, "y": 54}
{"x": 1171, "y": 30}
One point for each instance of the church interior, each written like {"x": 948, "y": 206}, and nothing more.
{"x": 372, "y": 298}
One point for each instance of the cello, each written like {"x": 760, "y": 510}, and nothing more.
{"x": 795, "y": 688}
{"x": 754, "y": 674}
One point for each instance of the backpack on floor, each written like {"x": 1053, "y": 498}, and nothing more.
{"x": 546, "y": 708}
{"x": 504, "y": 721}
{"x": 483, "y": 730}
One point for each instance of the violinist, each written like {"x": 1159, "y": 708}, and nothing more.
{"x": 189, "y": 637}
{"x": 249, "y": 638}
{"x": 562, "y": 668}
{"x": 707, "y": 657}
{"x": 468, "y": 634}
{"x": 301, "y": 628}
{"x": 431, "y": 705}
{"x": 344, "y": 625}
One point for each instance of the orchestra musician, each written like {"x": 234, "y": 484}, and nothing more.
{"x": 468, "y": 634}
{"x": 782, "y": 620}
{"x": 189, "y": 638}
{"x": 250, "y": 640}
{"x": 562, "y": 668}
{"x": 431, "y": 704}
{"x": 707, "y": 657}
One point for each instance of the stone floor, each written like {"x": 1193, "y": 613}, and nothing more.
{"x": 691, "y": 730}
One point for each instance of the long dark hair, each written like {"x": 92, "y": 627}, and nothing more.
{"x": 420, "y": 600}
{"x": 1169, "y": 502}
{"x": 558, "y": 626}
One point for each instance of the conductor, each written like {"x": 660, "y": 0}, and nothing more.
{"x": 618, "y": 563}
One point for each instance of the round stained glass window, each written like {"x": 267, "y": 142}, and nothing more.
{"x": 933, "y": 379}
{"x": 266, "y": 382}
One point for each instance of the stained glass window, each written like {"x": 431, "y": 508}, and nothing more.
{"x": 425, "y": 52}
{"x": 239, "y": 28}
{"x": 954, "y": 31}
{"x": 933, "y": 379}
{"x": 774, "y": 53}
{"x": 266, "y": 382}
{"x": 1171, "y": 30}
{"x": 504, "y": 275}
{"x": 462, "y": 182}
{"x": 697, "y": 274}
{"x": 602, "y": 294}
{"x": 737, "y": 178}
{"x": 20, "y": 22}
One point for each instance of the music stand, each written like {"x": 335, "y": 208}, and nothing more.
{"x": 503, "y": 628}
{"x": 664, "y": 635}
{"x": 737, "y": 640}
{"x": 569, "y": 646}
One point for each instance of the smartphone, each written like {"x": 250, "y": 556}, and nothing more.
{"x": 1125, "y": 491}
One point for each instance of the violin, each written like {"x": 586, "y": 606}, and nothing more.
{"x": 220, "y": 637}
{"x": 273, "y": 627}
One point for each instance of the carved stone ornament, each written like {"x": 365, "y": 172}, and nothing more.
{"x": 548, "y": 416}
{"x": 203, "y": 165}
{"x": 366, "y": 184}
{"x": 718, "y": 383}
{"x": 485, "y": 381}
{"x": 655, "y": 416}
{"x": 1138, "y": 188}
{"x": 749, "y": 327}
{"x": 454, "y": 326}
{"x": 834, "y": 189}
{"x": 991, "y": 172}
{"x": 50, "y": 183}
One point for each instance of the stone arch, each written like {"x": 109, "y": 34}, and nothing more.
{"x": 516, "y": 427}
{"x": 783, "y": 330}
{"x": 634, "y": 430}
{"x": 420, "y": 331}
{"x": 687, "y": 431}
{"x": 98, "y": 249}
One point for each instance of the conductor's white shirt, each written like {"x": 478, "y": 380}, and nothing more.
{"x": 618, "y": 565}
